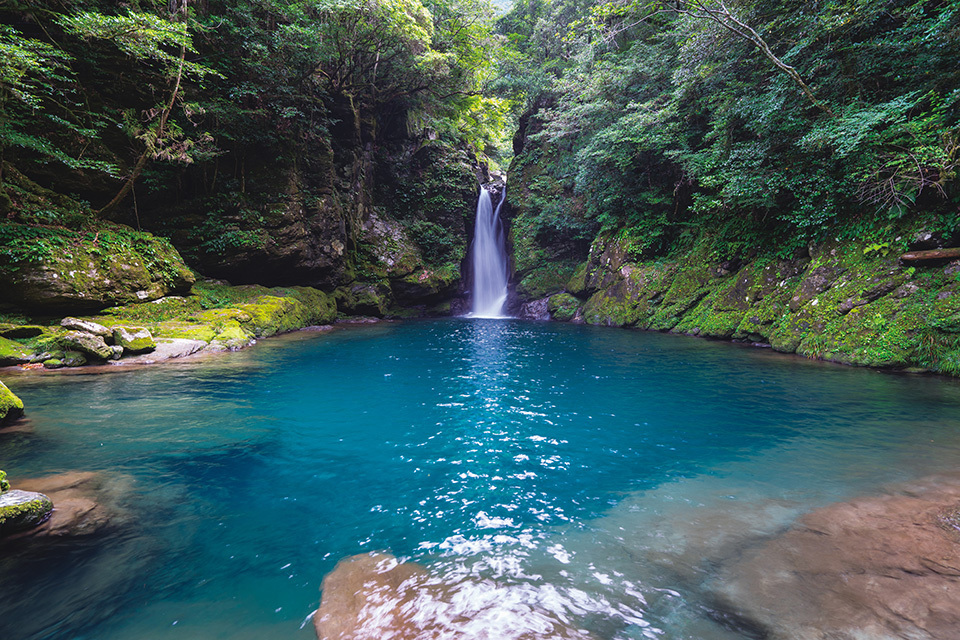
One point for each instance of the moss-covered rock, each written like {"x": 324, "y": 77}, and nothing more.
{"x": 232, "y": 336}
{"x": 270, "y": 315}
{"x": 133, "y": 339}
{"x": 845, "y": 303}
{"x": 12, "y": 353}
{"x": 22, "y": 510}
{"x": 426, "y": 286}
{"x": 59, "y": 270}
{"x": 362, "y": 299}
{"x": 563, "y": 307}
{"x": 19, "y": 331}
{"x": 86, "y": 343}
{"x": 73, "y": 359}
{"x": 4, "y": 484}
{"x": 11, "y": 406}
{"x": 545, "y": 279}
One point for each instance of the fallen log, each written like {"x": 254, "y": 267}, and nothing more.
{"x": 932, "y": 255}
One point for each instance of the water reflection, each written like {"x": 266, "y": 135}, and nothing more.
{"x": 597, "y": 476}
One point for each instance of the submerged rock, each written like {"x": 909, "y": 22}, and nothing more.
{"x": 21, "y": 510}
{"x": 375, "y": 596}
{"x": 11, "y": 407}
{"x": 880, "y": 567}
{"x": 82, "y": 501}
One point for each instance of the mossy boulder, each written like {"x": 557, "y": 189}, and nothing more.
{"x": 258, "y": 312}
{"x": 73, "y": 359}
{"x": 11, "y": 406}
{"x": 12, "y": 353}
{"x": 270, "y": 315}
{"x": 4, "y": 484}
{"x": 19, "y": 331}
{"x": 426, "y": 285}
{"x": 232, "y": 336}
{"x": 86, "y": 343}
{"x": 22, "y": 510}
{"x": 319, "y": 307}
{"x": 88, "y": 326}
{"x": 563, "y": 307}
{"x": 58, "y": 270}
{"x": 133, "y": 339}
{"x": 545, "y": 279}
{"x": 362, "y": 299}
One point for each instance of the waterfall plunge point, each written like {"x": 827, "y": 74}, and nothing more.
{"x": 489, "y": 259}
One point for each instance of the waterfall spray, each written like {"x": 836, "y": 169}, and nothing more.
{"x": 489, "y": 259}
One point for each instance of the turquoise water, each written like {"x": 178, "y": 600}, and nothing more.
{"x": 573, "y": 467}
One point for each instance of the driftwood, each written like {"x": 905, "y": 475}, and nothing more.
{"x": 933, "y": 255}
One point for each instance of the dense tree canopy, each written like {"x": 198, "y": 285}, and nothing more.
{"x": 187, "y": 81}
{"x": 763, "y": 122}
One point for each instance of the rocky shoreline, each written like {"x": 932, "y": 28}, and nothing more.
{"x": 840, "y": 301}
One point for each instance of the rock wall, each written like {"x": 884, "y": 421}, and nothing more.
{"x": 58, "y": 270}
{"x": 842, "y": 302}
{"x": 371, "y": 207}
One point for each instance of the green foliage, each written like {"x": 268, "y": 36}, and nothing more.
{"x": 21, "y": 244}
{"x": 38, "y": 93}
{"x": 436, "y": 243}
{"x": 680, "y": 125}
{"x": 142, "y": 36}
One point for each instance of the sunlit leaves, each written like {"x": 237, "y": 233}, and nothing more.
{"x": 28, "y": 67}
{"x": 143, "y": 36}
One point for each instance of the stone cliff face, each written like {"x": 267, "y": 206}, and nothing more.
{"x": 368, "y": 207}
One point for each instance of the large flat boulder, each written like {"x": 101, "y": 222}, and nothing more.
{"x": 883, "y": 567}
{"x": 168, "y": 348}
{"x": 89, "y": 271}
{"x": 375, "y": 596}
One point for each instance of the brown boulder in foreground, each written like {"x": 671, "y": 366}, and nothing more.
{"x": 375, "y": 597}
{"x": 880, "y": 567}
{"x": 77, "y": 506}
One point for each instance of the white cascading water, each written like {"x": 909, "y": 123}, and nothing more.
{"x": 489, "y": 259}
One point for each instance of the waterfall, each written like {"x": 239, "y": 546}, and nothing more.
{"x": 489, "y": 259}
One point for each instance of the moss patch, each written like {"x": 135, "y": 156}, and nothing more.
{"x": 845, "y": 304}
{"x": 563, "y": 307}
{"x": 21, "y": 510}
{"x": 11, "y": 406}
{"x": 12, "y": 352}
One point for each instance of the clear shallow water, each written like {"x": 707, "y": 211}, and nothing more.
{"x": 596, "y": 474}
